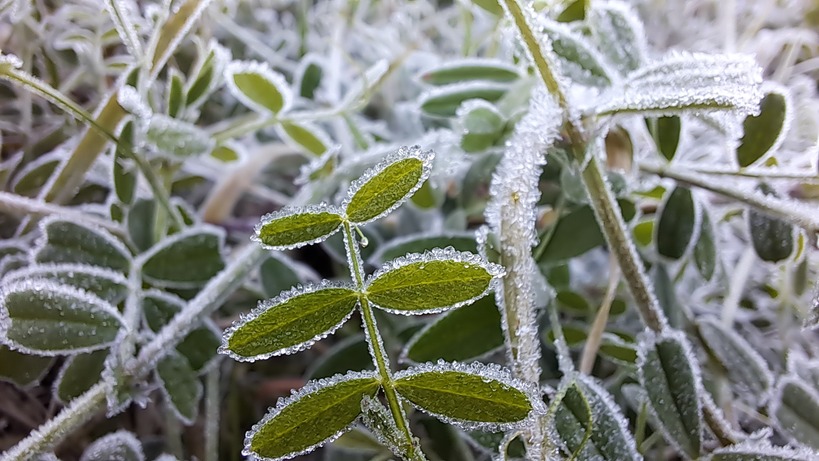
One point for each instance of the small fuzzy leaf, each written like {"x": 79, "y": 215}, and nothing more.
{"x": 676, "y": 224}
{"x": 44, "y": 318}
{"x": 431, "y": 282}
{"x": 177, "y": 139}
{"x": 795, "y": 409}
{"x": 746, "y": 369}
{"x": 578, "y": 58}
{"x": 665, "y": 131}
{"x": 473, "y": 395}
{"x": 464, "y": 70}
{"x": 772, "y": 238}
{"x": 108, "y": 285}
{"x": 180, "y": 385}
{"x": 671, "y": 380}
{"x": 289, "y": 323}
{"x": 295, "y": 227}
{"x": 483, "y": 125}
{"x": 387, "y": 185}
{"x": 68, "y": 242}
{"x": 462, "y": 334}
{"x": 78, "y": 374}
{"x": 309, "y": 76}
{"x": 258, "y": 87}
{"x": 318, "y": 413}
{"x": 117, "y": 446}
{"x": 618, "y": 33}
{"x": 705, "y": 251}
{"x": 444, "y": 101}
{"x": 762, "y": 133}
{"x": 22, "y": 369}
{"x": 309, "y": 137}
{"x": 185, "y": 260}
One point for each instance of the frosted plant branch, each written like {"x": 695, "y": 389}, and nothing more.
{"x": 18, "y": 205}
{"x": 125, "y": 27}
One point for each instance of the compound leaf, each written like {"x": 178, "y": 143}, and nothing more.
{"x": 185, "y": 260}
{"x": 295, "y": 227}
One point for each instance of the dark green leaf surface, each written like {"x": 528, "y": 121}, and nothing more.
{"x": 124, "y": 171}
{"x": 444, "y": 101}
{"x": 311, "y": 417}
{"x": 762, "y": 132}
{"x": 307, "y": 136}
{"x": 666, "y": 133}
{"x": 795, "y": 409}
{"x": 69, "y": 242}
{"x": 186, "y": 260}
{"x": 705, "y": 251}
{"x": 108, "y": 285}
{"x": 22, "y": 369}
{"x": 292, "y": 228}
{"x": 258, "y": 87}
{"x": 577, "y": 233}
{"x": 79, "y": 373}
{"x": 470, "y": 69}
{"x": 180, "y": 385}
{"x": 422, "y": 242}
{"x": 676, "y": 224}
{"x": 772, "y": 238}
{"x": 350, "y": 354}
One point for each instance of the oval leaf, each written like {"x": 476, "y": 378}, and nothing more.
{"x": 431, "y": 282}
{"x": 445, "y": 101}
{"x": 795, "y": 409}
{"x": 670, "y": 378}
{"x": 676, "y": 224}
{"x": 295, "y": 227}
{"x": 464, "y": 70}
{"x": 22, "y": 369}
{"x": 44, "y": 318}
{"x": 176, "y": 139}
{"x": 772, "y": 238}
{"x": 185, "y": 260}
{"x": 318, "y": 413}
{"x": 78, "y": 374}
{"x": 618, "y": 33}
{"x": 309, "y": 137}
{"x": 387, "y": 185}
{"x": 763, "y": 133}
{"x": 666, "y": 133}
{"x": 705, "y": 251}
{"x": 761, "y": 451}
{"x": 258, "y": 87}
{"x": 119, "y": 446}
{"x": 109, "y": 285}
{"x": 180, "y": 385}
{"x": 290, "y": 323}
{"x": 578, "y": 58}
{"x": 68, "y": 242}
{"x": 473, "y": 396}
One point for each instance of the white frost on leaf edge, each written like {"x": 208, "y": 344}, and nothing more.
{"x": 170, "y": 241}
{"x": 42, "y": 240}
{"x": 755, "y": 449}
{"x": 775, "y": 403}
{"x": 264, "y": 70}
{"x": 103, "y": 445}
{"x": 289, "y": 211}
{"x": 490, "y": 63}
{"x": 168, "y": 399}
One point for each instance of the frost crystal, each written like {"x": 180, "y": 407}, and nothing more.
{"x": 130, "y": 100}
{"x": 753, "y": 450}
{"x": 10, "y": 60}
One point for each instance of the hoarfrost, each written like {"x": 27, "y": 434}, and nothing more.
{"x": 619, "y": 33}
{"x": 75, "y": 272}
{"x": 122, "y": 11}
{"x": 791, "y": 428}
{"x": 130, "y": 100}
{"x": 759, "y": 450}
{"x": 10, "y": 60}
{"x": 291, "y": 211}
{"x": 117, "y": 446}
{"x": 177, "y": 139}
{"x": 263, "y": 70}
{"x": 379, "y": 420}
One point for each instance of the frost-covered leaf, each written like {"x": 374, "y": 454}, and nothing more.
{"x": 175, "y": 96}
{"x": 666, "y": 292}
{"x": 22, "y": 369}
{"x": 491, "y": 6}
{"x": 618, "y": 33}
{"x": 207, "y": 75}
{"x": 31, "y": 178}
{"x": 705, "y": 251}
{"x": 676, "y": 224}
{"x": 794, "y": 408}
{"x": 258, "y": 87}
{"x": 461, "y": 334}
{"x": 44, "y": 318}
{"x": 772, "y": 238}
{"x": 665, "y": 130}
{"x": 124, "y": 171}
{"x": 180, "y": 385}
{"x": 444, "y": 101}
{"x": 350, "y": 354}
{"x": 670, "y": 376}
{"x": 309, "y": 137}
{"x": 764, "y": 132}
{"x": 384, "y": 187}
{"x": 610, "y": 439}
{"x": 688, "y": 82}
{"x": 278, "y": 274}
{"x": 109, "y": 285}
{"x": 473, "y": 396}
{"x": 761, "y": 451}
{"x": 295, "y": 227}
{"x": 177, "y": 139}
{"x": 482, "y": 125}
{"x": 185, "y": 260}
{"x": 291, "y": 322}
{"x": 117, "y": 446}
{"x": 316, "y": 414}
{"x": 378, "y": 419}
{"x": 69, "y": 242}
{"x": 431, "y": 282}
{"x": 464, "y": 70}
{"x": 618, "y": 350}
{"x": 579, "y": 59}
{"x": 78, "y": 374}
{"x": 747, "y": 370}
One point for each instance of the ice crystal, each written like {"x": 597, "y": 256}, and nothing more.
{"x": 130, "y": 100}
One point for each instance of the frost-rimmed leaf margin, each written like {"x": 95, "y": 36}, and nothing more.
{"x": 120, "y": 439}
{"x": 265, "y": 305}
{"x": 761, "y": 450}
{"x": 46, "y": 271}
{"x": 502, "y": 71}
{"x": 43, "y": 241}
{"x": 99, "y": 305}
{"x": 426, "y": 158}
{"x": 491, "y": 371}
{"x": 309, "y": 388}
{"x": 777, "y": 401}
{"x": 168, "y": 243}
{"x": 262, "y": 69}
{"x": 288, "y": 211}
{"x": 168, "y": 394}
{"x": 435, "y": 255}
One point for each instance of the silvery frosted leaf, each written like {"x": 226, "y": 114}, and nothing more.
{"x": 579, "y": 59}
{"x": 22, "y": 369}
{"x": 670, "y": 376}
{"x": 45, "y": 318}
{"x": 761, "y": 451}
{"x": 78, "y": 374}
{"x": 31, "y": 177}
{"x": 618, "y": 33}
{"x": 258, "y": 87}
{"x": 384, "y": 187}
{"x": 431, "y": 282}
{"x": 794, "y": 408}
{"x": 185, "y": 260}
{"x": 66, "y": 241}
{"x": 812, "y": 320}
{"x": 180, "y": 385}
{"x": 316, "y": 414}
{"x": 291, "y": 228}
{"x": 472, "y": 396}
{"x": 763, "y": 133}
{"x": 482, "y": 125}
{"x": 177, "y": 139}
{"x": 467, "y": 69}
{"x": 688, "y": 82}
{"x": 108, "y": 285}
{"x": 117, "y": 446}
{"x": 133, "y": 103}
{"x": 291, "y": 322}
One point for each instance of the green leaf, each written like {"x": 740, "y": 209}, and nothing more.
{"x": 207, "y": 75}
{"x": 117, "y": 446}
{"x": 295, "y": 227}
{"x": 795, "y": 410}
{"x": 387, "y": 185}
{"x": 444, "y": 101}
{"x": 31, "y": 178}
{"x": 772, "y": 238}
{"x": 180, "y": 385}
{"x": 140, "y": 223}
{"x": 618, "y": 351}
{"x": 22, "y": 369}
{"x": 291, "y": 322}
{"x": 350, "y": 354}
{"x": 610, "y": 439}
{"x": 316, "y": 414}
{"x": 618, "y": 33}
{"x": 705, "y": 251}
{"x": 676, "y": 224}
{"x": 124, "y": 171}
{"x": 459, "y": 335}
{"x": 309, "y": 137}
{"x": 764, "y": 132}
{"x": 108, "y": 285}
{"x": 258, "y": 87}
{"x": 176, "y": 139}
{"x": 418, "y": 243}
{"x": 465, "y": 70}
{"x": 761, "y": 451}
{"x": 473, "y": 395}
{"x": 78, "y": 374}
{"x": 574, "y": 11}
{"x": 667, "y": 295}
{"x": 44, "y": 318}
{"x": 577, "y": 233}
{"x": 69, "y": 242}
{"x": 482, "y": 125}
{"x": 310, "y": 73}
{"x": 431, "y": 282}
{"x": 670, "y": 376}
{"x": 579, "y": 59}
{"x": 185, "y": 260}
{"x": 278, "y": 274}
{"x": 176, "y": 96}
{"x": 746, "y": 369}
{"x": 666, "y": 134}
